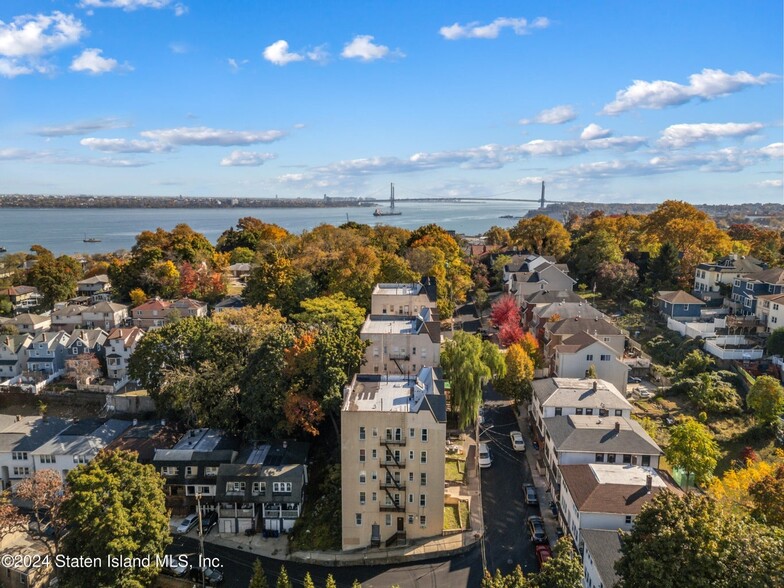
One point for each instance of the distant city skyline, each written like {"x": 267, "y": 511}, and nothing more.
{"x": 609, "y": 101}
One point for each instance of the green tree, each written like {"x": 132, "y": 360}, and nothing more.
{"x": 541, "y": 235}
{"x": 766, "y": 399}
{"x": 766, "y": 495}
{"x": 775, "y": 343}
{"x": 591, "y": 250}
{"x": 259, "y": 578}
{"x": 468, "y": 365}
{"x": 693, "y": 449}
{"x": 664, "y": 269}
{"x": 330, "y": 582}
{"x": 271, "y": 279}
{"x": 336, "y": 310}
{"x": 242, "y": 255}
{"x": 356, "y": 584}
{"x": 308, "y": 581}
{"x": 713, "y": 394}
{"x": 114, "y": 506}
{"x": 565, "y": 570}
{"x": 497, "y": 274}
{"x": 695, "y": 363}
{"x": 55, "y": 278}
{"x": 283, "y": 579}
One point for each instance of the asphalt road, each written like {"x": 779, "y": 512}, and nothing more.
{"x": 507, "y": 541}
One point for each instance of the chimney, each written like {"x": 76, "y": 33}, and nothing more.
{"x": 649, "y": 482}
{"x": 135, "y": 422}
{"x": 18, "y": 418}
{"x": 595, "y": 385}
{"x": 617, "y": 427}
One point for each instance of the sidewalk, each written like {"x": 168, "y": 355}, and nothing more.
{"x": 445, "y": 545}
{"x": 551, "y": 522}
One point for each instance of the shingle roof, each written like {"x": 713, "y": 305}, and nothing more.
{"x": 678, "y": 297}
{"x": 605, "y": 549}
{"x": 774, "y": 275}
{"x": 579, "y": 392}
{"x": 547, "y": 296}
{"x": 591, "y": 434}
{"x": 580, "y": 341}
{"x": 99, "y": 279}
{"x": 596, "y": 325}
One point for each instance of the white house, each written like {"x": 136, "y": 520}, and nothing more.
{"x": 770, "y": 311}
{"x": 105, "y": 315}
{"x": 78, "y": 444}
{"x": 67, "y": 317}
{"x": 31, "y": 323}
{"x": 120, "y": 345}
{"x": 13, "y": 355}
{"x": 708, "y": 277}
{"x": 607, "y": 496}
{"x": 576, "y": 355}
{"x": 401, "y": 344}
{"x": 19, "y": 437}
{"x": 98, "y": 288}
{"x": 601, "y": 549}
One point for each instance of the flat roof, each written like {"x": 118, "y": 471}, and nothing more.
{"x": 393, "y": 393}
{"x": 390, "y": 325}
{"x": 399, "y": 289}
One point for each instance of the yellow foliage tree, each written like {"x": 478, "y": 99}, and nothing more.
{"x": 137, "y": 297}
{"x": 731, "y": 491}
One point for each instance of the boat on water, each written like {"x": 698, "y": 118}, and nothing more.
{"x": 391, "y": 210}
{"x": 3, "y": 249}
{"x": 90, "y": 240}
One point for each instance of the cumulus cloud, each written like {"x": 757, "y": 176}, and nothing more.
{"x": 205, "y": 136}
{"x": 529, "y": 181}
{"x": 684, "y": 135}
{"x": 81, "y": 127}
{"x": 771, "y": 184}
{"x": 594, "y": 131}
{"x": 475, "y": 30}
{"x": 774, "y": 150}
{"x": 90, "y": 61}
{"x": 28, "y": 38}
{"x": 706, "y": 85}
{"x": 318, "y": 54}
{"x": 124, "y": 146}
{"x": 130, "y": 5}
{"x": 557, "y": 115}
{"x": 279, "y": 54}
{"x": 363, "y": 48}
{"x": 246, "y": 158}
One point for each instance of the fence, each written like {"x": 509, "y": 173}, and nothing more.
{"x": 692, "y": 330}
{"x": 733, "y": 347}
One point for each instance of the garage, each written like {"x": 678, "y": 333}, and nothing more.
{"x": 227, "y": 525}
{"x": 244, "y": 524}
{"x": 272, "y": 525}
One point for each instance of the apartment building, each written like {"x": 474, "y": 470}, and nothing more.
{"x": 105, "y": 315}
{"x": 601, "y": 549}
{"x": 404, "y": 299}
{"x": 401, "y": 344}
{"x": 393, "y": 435}
{"x": 575, "y": 357}
{"x": 710, "y": 276}
{"x": 770, "y": 311}
{"x": 120, "y": 345}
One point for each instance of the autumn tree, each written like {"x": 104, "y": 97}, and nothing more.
{"x": 251, "y": 234}
{"x": 766, "y": 496}
{"x": 616, "y": 279}
{"x": 138, "y": 297}
{"x": 541, "y": 235}
{"x": 686, "y": 227}
{"x": 11, "y": 519}
{"x": 114, "y": 506}
{"x": 516, "y": 382}
{"x": 693, "y": 449}
{"x": 330, "y": 582}
{"x": 254, "y": 321}
{"x": 497, "y": 236}
{"x": 469, "y": 363}
{"x": 732, "y": 490}
{"x": 337, "y": 310}
{"x": 54, "y": 277}
{"x": 564, "y": 570}
{"x": 259, "y": 578}
{"x": 45, "y": 494}
{"x": 283, "y": 579}
{"x": 504, "y": 310}
{"x": 766, "y": 399}
{"x": 590, "y": 251}
{"x": 510, "y": 333}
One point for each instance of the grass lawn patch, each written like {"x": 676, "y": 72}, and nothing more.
{"x": 465, "y": 514}
{"x": 455, "y": 470}
{"x": 450, "y": 517}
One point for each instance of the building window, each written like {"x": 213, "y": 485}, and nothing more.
{"x": 235, "y": 487}
{"x": 423, "y": 457}
{"x": 362, "y": 455}
{"x": 558, "y": 411}
{"x": 610, "y": 458}
{"x": 281, "y": 487}
{"x": 600, "y": 458}
{"x": 374, "y": 454}
{"x": 422, "y": 500}
{"x": 373, "y": 476}
{"x": 362, "y": 433}
{"x": 423, "y": 521}
{"x": 388, "y": 520}
{"x": 603, "y": 412}
{"x": 191, "y": 471}
{"x": 411, "y": 499}
{"x": 362, "y": 477}
{"x": 423, "y": 479}
{"x": 578, "y": 411}
{"x": 375, "y": 432}
{"x": 411, "y": 454}
{"x": 628, "y": 519}
{"x": 589, "y": 357}
{"x": 259, "y": 488}
{"x": 373, "y": 497}
{"x": 19, "y": 455}
{"x": 21, "y": 471}
{"x": 410, "y": 476}
{"x": 362, "y": 498}
{"x": 605, "y": 358}
{"x": 627, "y": 458}
{"x": 589, "y": 411}
{"x": 358, "y": 518}
{"x": 410, "y": 519}
{"x": 424, "y": 435}
{"x": 646, "y": 461}
{"x": 411, "y": 432}
{"x": 48, "y": 459}
{"x": 169, "y": 471}
{"x": 211, "y": 471}
{"x": 618, "y": 412}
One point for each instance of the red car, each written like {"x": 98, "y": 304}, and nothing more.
{"x": 543, "y": 553}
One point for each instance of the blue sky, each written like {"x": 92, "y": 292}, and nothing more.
{"x": 606, "y": 101}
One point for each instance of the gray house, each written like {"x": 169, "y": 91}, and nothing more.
{"x": 679, "y": 304}
{"x": 46, "y": 353}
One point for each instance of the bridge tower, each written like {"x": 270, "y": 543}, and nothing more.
{"x": 541, "y": 200}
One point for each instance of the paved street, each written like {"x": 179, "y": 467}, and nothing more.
{"x": 507, "y": 541}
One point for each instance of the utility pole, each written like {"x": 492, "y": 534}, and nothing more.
{"x": 201, "y": 540}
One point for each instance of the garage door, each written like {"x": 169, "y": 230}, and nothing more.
{"x": 227, "y": 526}
{"x": 272, "y": 524}
{"x": 244, "y": 524}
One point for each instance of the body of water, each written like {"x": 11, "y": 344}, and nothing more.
{"x": 62, "y": 230}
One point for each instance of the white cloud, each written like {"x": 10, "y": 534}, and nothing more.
{"x": 28, "y": 38}
{"x": 475, "y": 30}
{"x": 128, "y": 5}
{"x": 529, "y": 181}
{"x": 205, "y": 136}
{"x": 594, "y": 131}
{"x": 318, "y": 54}
{"x": 706, "y": 85}
{"x": 771, "y": 184}
{"x": 10, "y": 154}
{"x": 684, "y": 135}
{"x": 90, "y": 61}
{"x": 246, "y": 158}
{"x": 774, "y": 150}
{"x": 180, "y": 9}
{"x": 279, "y": 54}
{"x": 557, "y": 115}
{"x": 82, "y": 127}
{"x": 236, "y": 64}
{"x": 10, "y": 68}
{"x": 124, "y": 146}
{"x": 362, "y": 47}
{"x": 49, "y": 157}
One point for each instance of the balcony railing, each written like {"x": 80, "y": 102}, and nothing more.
{"x": 391, "y": 508}
{"x": 398, "y": 484}
{"x": 390, "y": 461}
{"x": 393, "y": 441}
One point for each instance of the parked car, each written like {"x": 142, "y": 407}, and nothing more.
{"x": 634, "y": 380}
{"x": 543, "y": 553}
{"x": 530, "y": 494}
{"x": 645, "y": 393}
{"x": 485, "y": 457}
{"x": 177, "y": 568}
{"x": 208, "y": 521}
{"x": 668, "y": 420}
{"x": 212, "y": 577}
{"x": 536, "y": 529}
{"x": 518, "y": 443}
{"x": 187, "y": 524}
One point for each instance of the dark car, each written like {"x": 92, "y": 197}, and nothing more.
{"x": 211, "y": 577}
{"x": 208, "y": 521}
{"x": 536, "y": 529}
{"x": 530, "y": 494}
{"x": 634, "y": 380}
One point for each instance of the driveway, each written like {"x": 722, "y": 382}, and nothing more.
{"x": 507, "y": 542}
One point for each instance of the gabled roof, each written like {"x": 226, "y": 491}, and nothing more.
{"x": 154, "y": 304}
{"x": 129, "y": 336}
{"x": 779, "y": 298}
{"x": 99, "y": 279}
{"x": 90, "y": 337}
{"x": 595, "y": 326}
{"x": 19, "y": 291}
{"x": 68, "y": 311}
{"x": 16, "y": 343}
{"x": 678, "y": 297}
{"x": 106, "y": 307}
{"x": 34, "y": 319}
{"x": 734, "y": 264}
{"x": 28, "y": 433}
{"x": 580, "y": 341}
{"x": 592, "y": 434}
{"x": 774, "y": 275}
{"x": 567, "y": 310}
{"x": 548, "y": 296}
{"x": 145, "y": 437}
{"x": 605, "y": 549}
{"x": 188, "y": 303}
{"x": 231, "y": 302}
{"x": 50, "y": 338}
{"x": 579, "y": 393}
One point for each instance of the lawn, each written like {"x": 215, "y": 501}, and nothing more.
{"x": 450, "y": 517}
{"x": 455, "y": 470}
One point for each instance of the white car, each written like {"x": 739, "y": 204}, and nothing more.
{"x": 644, "y": 393}
{"x": 187, "y": 524}
{"x": 485, "y": 457}
{"x": 518, "y": 443}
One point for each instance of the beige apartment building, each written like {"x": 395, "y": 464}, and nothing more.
{"x": 393, "y": 436}
{"x": 404, "y": 299}
{"x": 401, "y": 344}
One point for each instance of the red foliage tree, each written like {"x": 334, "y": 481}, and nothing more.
{"x": 510, "y": 333}
{"x": 505, "y": 311}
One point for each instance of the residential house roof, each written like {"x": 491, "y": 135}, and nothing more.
{"x": 605, "y": 549}
{"x": 778, "y": 298}
{"x": 19, "y": 291}
{"x": 230, "y": 302}
{"x": 151, "y": 305}
{"x": 774, "y": 275}
{"x": 592, "y": 434}
{"x": 81, "y": 438}
{"x": 107, "y": 307}
{"x": 128, "y": 335}
{"x": 594, "y": 325}
{"x": 614, "y": 488}
{"x": 403, "y": 325}
{"x": 68, "y": 311}
{"x": 734, "y": 264}
{"x": 548, "y": 296}
{"x": 90, "y": 337}
{"x": 16, "y": 343}
{"x": 146, "y": 437}
{"x": 239, "y": 267}
{"x": 99, "y": 279}
{"x": 28, "y": 433}
{"x": 188, "y": 303}
{"x": 580, "y": 341}
{"x": 210, "y": 445}
{"x": 567, "y": 310}
{"x": 678, "y": 297}
{"x": 50, "y": 339}
{"x": 33, "y": 319}
{"x": 579, "y": 393}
